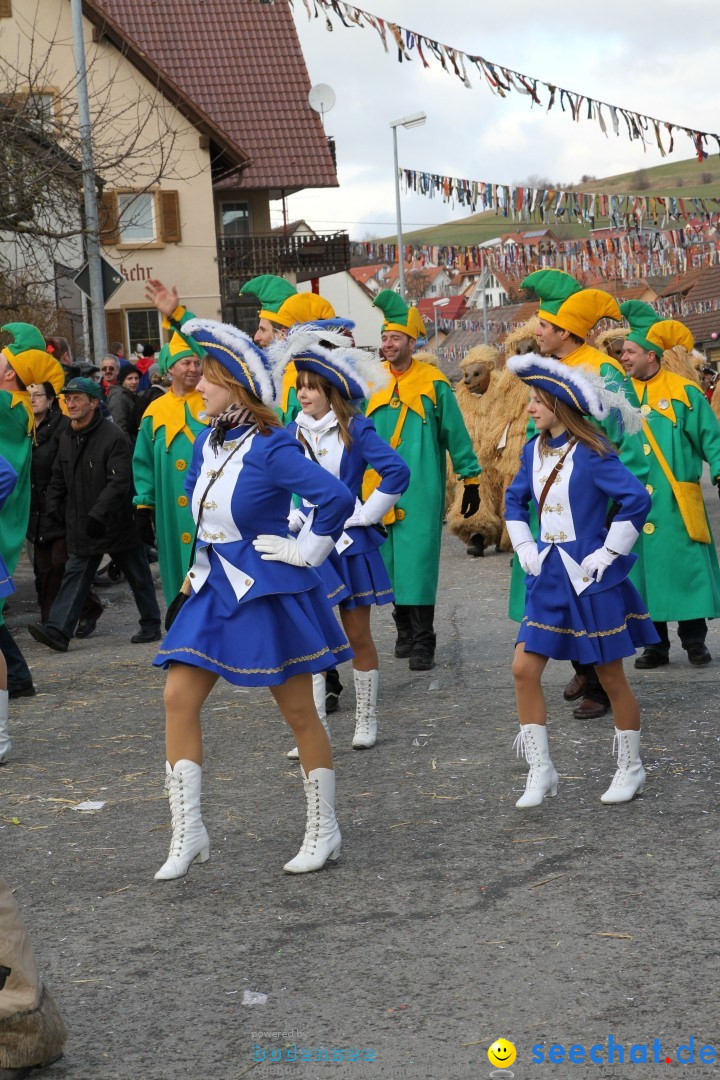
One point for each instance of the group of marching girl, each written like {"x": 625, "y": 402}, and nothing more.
{"x": 282, "y": 537}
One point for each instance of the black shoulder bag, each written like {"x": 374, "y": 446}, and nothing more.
{"x": 186, "y": 589}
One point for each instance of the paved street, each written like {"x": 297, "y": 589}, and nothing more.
{"x": 451, "y": 918}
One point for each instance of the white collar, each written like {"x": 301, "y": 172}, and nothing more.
{"x": 317, "y": 427}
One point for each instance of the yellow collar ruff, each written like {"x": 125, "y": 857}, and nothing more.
{"x": 168, "y": 411}
{"x": 409, "y": 388}
{"x": 659, "y": 393}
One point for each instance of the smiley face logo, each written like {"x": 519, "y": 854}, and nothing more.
{"x": 502, "y": 1054}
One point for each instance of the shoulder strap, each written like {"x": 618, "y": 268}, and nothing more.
{"x": 216, "y": 474}
{"x": 395, "y": 437}
{"x": 551, "y": 478}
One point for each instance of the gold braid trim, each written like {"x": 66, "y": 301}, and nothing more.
{"x": 328, "y": 367}
{"x": 584, "y": 633}
{"x": 339, "y": 589}
{"x": 370, "y": 592}
{"x": 252, "y": 671}
{"x": 558, "y": 382}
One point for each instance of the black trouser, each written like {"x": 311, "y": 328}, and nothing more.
{"x": 49, "y": 566}
{"x": 78, "y": 577}
{"x": 414, "y": 622}
{"x": 18, "y": 673}
{"x": 690, "y": 632}
{"x": 593, "y": 687}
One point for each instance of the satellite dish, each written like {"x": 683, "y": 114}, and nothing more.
{"x": 321, "y": 98}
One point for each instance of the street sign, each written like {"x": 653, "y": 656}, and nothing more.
{"x": 112, "y": 279}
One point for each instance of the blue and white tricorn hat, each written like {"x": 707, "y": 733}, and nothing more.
{"x": 578, "y": 387}
{"x": 238, "y": 354}
{"x": 356, "y": 373}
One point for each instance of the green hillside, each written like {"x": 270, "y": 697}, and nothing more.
{"x": 686, "y": 179}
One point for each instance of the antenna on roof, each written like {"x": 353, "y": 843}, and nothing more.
{"x": 321, "y": 99}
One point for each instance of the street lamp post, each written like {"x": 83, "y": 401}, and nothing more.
{"x": 437, "y": 304}
{"x": 415, "y": 120}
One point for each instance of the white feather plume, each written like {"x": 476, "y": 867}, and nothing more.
{"x": 239, "y": 342}
{"x": 359, "y": 364}
{"x": 602, "y": 398}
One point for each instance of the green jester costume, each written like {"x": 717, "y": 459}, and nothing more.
{"x": 418, "y": 415}
{"x": 677, "y": 569}
{"x": 162, "y": 455}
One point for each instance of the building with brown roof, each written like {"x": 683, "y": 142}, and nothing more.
{"x": 212, "y": 99}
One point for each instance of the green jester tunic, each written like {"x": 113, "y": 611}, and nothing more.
{"x": 432, "y": 426}
{"x": 629, "y": 450}
{"x": 16, "y": 428}
{"x": 162, "y": 455}
{"x": 678, "y": 577}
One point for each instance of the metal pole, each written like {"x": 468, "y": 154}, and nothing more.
{"x": 401, "y": 254}
{"x": 484, "y": 289}
{"x": 92, "y": 240}
{"x": 437, "y": 353}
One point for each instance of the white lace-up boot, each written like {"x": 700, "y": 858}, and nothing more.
{"x": 629, "y": 780}
{"x": 366, "y": 691}
{"x": 190, "y": 840}
{"x": 322, "y": 839}
{"x": 5, "y": 744}
{"x": 542, "y": 780}
{"x": 319, "y": 699}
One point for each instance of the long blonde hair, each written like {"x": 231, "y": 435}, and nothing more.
{"x": 264, "y": 416}
{"x": 344, "y": 410}
{"x": 574, "y": 423}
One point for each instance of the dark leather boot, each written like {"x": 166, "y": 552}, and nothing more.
{"x": 422, "y": 657}
{"x": 403, "y": 645}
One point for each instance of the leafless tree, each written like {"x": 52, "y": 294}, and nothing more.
{"x": 135, "y": 144}
{"x": 416, "y": 283}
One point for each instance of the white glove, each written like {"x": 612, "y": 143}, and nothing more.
{"x": 279, "y": 549}
{"x": 529, "y": 558}
{"x": 358, "y": 519}
{"x": 296, "y": 520}
{"x": 596, "y": 563}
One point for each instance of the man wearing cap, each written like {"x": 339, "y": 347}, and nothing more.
{"x": 23, "y": 362}
{"x": 91, "y": 489}
{"x": 417, "y": 414}
{"x": 566, "y": 315}
{"x": 677, "y": 570}
{"x": 162, "y": 455}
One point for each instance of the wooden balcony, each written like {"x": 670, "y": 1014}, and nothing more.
{"x": 243, "y": 257}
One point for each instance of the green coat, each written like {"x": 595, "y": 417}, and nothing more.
{"x": 629, "y": 451}
{"x": 16, "y": 446}
{"x": 433, "y": 426}
{"x": 677, "y": 577}
{"x": 162, "y": 455}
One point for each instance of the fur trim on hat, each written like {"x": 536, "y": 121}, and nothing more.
{"x": 601, "y": 398}
{"x": 358, "y": 364}
{"x": 240, "y": 343}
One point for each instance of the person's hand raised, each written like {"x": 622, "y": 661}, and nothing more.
{"x": 164, "y": 299}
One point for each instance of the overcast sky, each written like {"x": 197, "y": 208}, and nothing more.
{"x": 653, "y": 56}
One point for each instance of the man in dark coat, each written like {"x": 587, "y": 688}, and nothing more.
{"x": 91, "y": 488}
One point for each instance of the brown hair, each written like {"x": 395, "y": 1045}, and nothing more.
{"x": 574, "y": 423}
{"x": 264, "y": 416}
{"x": 344, "y": 410}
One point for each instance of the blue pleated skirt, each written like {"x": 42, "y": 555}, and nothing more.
{"x": 593, "y": 628}
{"x": 356, "y": 580}
{"x": 261, "y": 642}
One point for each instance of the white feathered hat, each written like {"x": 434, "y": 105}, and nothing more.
{"x": 356, "y": 373}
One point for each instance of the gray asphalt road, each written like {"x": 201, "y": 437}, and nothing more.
{"x": 451, "y": 919}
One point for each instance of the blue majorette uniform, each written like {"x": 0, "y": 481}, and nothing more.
{"x": 253, "y": 621}
{"x": 354, "y": 572}
{"x": 569, "y": 614}
{"x": 8, "y": 480}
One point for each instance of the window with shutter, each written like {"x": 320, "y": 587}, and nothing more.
{"x": 115, "y": 327}
{"x": 5, "y": 9}
{"x": 170, "y": 216}
{"x": 108, "y": 214}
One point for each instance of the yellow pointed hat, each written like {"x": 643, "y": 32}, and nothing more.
{"x": 565, "y": 304}
{"x": 28, "y": 357}
{"x": 303, "y": 307}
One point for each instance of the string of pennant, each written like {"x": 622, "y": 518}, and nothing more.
{"x": 503, "y": 81}
{"x": 521, "y": 203}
